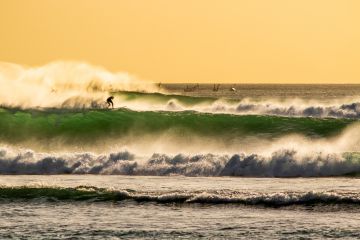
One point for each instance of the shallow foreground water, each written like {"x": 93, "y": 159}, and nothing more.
{"x": 110, "y": 207}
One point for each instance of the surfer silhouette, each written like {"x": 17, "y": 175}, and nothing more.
{"x": 110, "y": 102}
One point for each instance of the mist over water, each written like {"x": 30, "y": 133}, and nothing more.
{"x": 62, "y": 84}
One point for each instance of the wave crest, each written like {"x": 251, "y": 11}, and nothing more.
{"x": 351, "y": 110}
{"x": 281, "y": 163}
{"x": 272, "y": 107}
{"x": 62, "y": 84}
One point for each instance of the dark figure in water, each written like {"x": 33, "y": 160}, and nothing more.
{"x": 110, "y": 102}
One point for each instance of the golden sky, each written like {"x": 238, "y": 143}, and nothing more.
{"x": 239, "y": 41}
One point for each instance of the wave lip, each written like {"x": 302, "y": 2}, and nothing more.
{"x": 281, "y": 163}
{"x": 94, "y": 194}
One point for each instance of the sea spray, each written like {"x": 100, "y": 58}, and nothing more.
{"x": 63, "y": 84}
{"x": 281, "y": 163}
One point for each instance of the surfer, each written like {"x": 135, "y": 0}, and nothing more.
{"x": 110, "y": 102}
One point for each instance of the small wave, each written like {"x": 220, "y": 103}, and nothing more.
{"x": 90, "y": 193}
{"x": 279, "y": 199}
{"x": 281, "y": 163}
{"x": 80, "y": 193}
{"x": 351, "y": 110}
{"x": 274, "y": 108}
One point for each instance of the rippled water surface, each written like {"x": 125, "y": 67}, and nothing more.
{"x": 47, "y": 215}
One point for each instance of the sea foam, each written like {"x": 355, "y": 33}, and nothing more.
{"x": 280, "y": 163}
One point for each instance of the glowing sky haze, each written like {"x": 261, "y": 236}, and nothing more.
{"x": 254, "y": 41}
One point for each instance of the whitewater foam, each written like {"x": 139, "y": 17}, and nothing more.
{"x": 281, "y": 163}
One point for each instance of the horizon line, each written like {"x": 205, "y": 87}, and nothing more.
{"x": 259, "y": 83}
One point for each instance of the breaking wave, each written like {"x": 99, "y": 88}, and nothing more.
{"x": 351, "y": 110}
{"x": 281, "y": 163}
{"x": 62, "y": 84}
{"x": 341, "y": 108}
{"x": 89, "y": 193}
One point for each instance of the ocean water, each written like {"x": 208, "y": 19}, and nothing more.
{"x": 179, "y": 161}
{"x": 177, "y": 207}
{"x": 268, "y": 91}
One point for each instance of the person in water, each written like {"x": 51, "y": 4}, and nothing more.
{"x": 110, "y": 102}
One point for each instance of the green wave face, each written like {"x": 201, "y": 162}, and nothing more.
{"x": 80, "y": 193}
{"x": 92, "y": 126}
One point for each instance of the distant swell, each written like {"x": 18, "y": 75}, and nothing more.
{"x": 351, "y": 110}
{"x": 342, "y": 108}
{"x": 348, "y": 110}
{"x": 281, "y": 163}
{"x": 89, "y": 193}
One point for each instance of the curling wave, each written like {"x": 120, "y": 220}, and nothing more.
{"x": 93, "y": 127}
{"x": 90, "y": 193}
{"x": 281, "y": 163}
